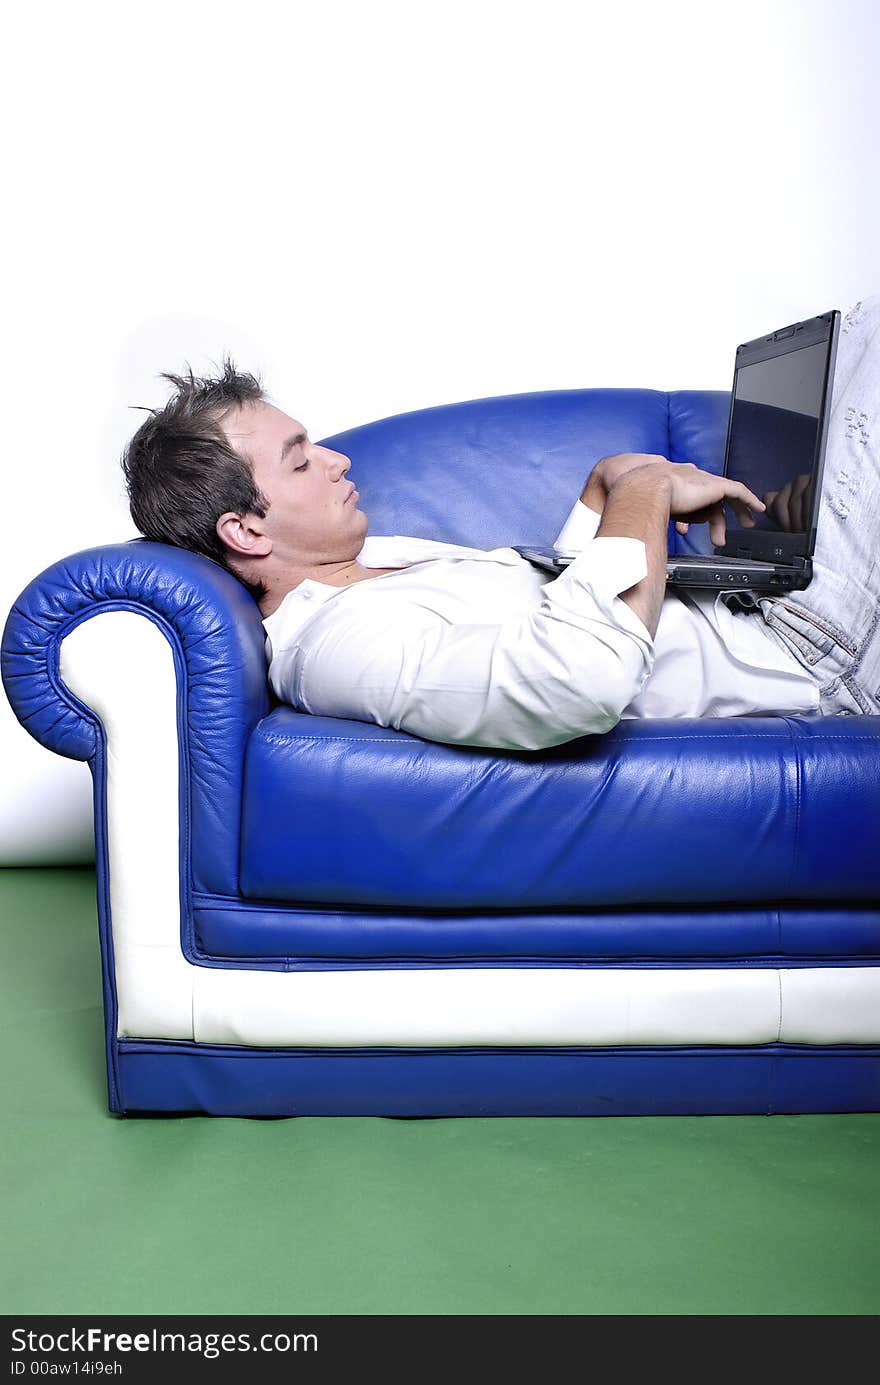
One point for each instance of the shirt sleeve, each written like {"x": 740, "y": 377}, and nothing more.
{"x": 579, "y": 529}
{"x": 567, "y": 668}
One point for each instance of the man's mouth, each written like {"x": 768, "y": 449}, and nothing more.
{"x": 352, "y": 495}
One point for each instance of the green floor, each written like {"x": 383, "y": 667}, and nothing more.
{"x": 698, "y": 1215}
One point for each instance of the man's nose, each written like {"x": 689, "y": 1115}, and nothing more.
{"x": 339, "y": 465}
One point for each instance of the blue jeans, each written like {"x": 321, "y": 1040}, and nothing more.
{"x": 832, "y": 627}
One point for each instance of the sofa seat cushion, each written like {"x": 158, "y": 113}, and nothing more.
{"x": 757, "y": 810}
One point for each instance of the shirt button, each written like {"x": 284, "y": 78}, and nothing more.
{"x": 306, "y": 596}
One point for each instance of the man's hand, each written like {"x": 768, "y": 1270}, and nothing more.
{"x": 640, "y": 505}
{"x": 696, "y": 493}
{"x": 700, "y": 495}
{"x": 610, "y": 469}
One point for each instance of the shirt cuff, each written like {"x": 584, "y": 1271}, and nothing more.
{"x": 579, "y": 529}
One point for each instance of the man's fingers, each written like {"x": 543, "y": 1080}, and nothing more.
{"x": 717, "y": 526}
{"x": 743, "y": 513}
{"x": 743, "y": 492}
{"x": 743, "y": 502}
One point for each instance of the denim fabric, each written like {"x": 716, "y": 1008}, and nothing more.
{"x": 832, "y": 627}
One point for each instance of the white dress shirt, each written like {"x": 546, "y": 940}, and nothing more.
{"x": 478, "y": 647}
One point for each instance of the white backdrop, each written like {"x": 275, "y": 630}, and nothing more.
{"x": 385, "y": 206}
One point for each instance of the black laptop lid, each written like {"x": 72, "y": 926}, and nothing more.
{"x": 776, "y": 436}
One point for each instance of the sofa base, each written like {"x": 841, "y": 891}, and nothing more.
{"x": 226, "y": 1081}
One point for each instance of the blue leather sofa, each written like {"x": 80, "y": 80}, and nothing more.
{"x": 301, "y": 915}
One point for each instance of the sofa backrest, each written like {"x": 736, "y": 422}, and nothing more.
{"x": 498, "y": 471}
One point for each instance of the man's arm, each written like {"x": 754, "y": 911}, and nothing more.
{"x": 609, "y": 470}
{"x": 579, "y": 528}
{"x": 594, "y": 493}
{"x": 638, "y": 508}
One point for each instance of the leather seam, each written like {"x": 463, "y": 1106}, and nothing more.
{"x": 319, "y": 739}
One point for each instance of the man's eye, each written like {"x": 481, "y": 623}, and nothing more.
{"x": 301, "y": 468}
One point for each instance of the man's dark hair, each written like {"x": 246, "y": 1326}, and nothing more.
{"x": 181, "y": 472}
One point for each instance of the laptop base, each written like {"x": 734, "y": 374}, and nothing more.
{"x": 720, "y": 573}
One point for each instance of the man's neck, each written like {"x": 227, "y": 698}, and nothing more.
{"x": 332, "y": 575}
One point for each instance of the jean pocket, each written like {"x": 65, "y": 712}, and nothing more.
{"x": 809, "y": 637}
{"x": 819, "y": 628}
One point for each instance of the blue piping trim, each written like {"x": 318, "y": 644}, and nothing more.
{"x": 468, "y": 963}
{"x": 656, "y": 1050}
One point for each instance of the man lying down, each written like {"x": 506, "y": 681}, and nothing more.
{"x": 480, "y": 648}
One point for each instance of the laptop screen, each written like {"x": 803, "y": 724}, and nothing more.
{"x": 773, "y": 439}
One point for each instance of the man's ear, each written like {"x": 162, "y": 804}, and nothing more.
{"x": 240, "y": 534}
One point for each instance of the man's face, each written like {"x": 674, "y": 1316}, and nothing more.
{"x": 313, "y": 514}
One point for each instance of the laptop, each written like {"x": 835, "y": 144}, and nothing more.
{"x": 777, "y": 431}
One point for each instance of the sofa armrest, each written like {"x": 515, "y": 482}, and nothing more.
{"x": 218, "y": 643}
